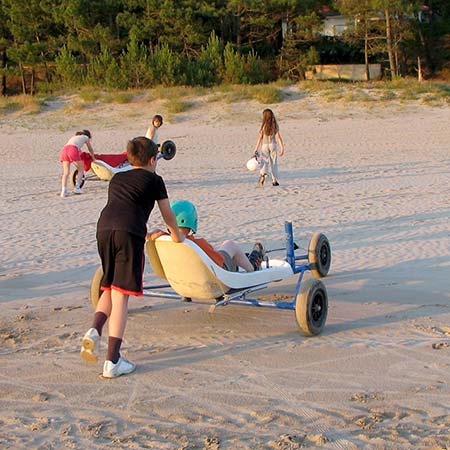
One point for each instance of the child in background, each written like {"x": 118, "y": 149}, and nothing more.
{"x": 152, "y": 132}
{"x": 71, "y": 154}
{"x": 229, "y": 255}
{"x": 267, "y": 148}
{"x": 121, "y": 234}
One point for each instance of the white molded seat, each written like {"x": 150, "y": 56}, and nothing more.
{"x": 104, "y": 171}
{"x": 192, "y": 273}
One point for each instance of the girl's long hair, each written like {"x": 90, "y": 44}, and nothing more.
{"x": 269, "y": 124}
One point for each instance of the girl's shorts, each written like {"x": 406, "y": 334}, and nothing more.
{"x": 122, "y": 256}
{"x": 70, "y": 153}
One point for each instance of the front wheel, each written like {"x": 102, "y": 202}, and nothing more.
{"x": 95, "y": 291}
{"x": 168, "y": 150}
{"x": 311, "y": 307}
{"x": 319, "y": 255}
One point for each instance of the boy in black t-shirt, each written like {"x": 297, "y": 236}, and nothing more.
{"x": 121, "y": 233}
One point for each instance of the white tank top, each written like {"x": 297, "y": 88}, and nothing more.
{"x": 78, "y": 141}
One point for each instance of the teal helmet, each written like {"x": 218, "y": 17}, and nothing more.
{"x": 185, "y": 213}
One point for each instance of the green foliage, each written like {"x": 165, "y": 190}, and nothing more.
{"x": 67, "y": 69}
{"x": 164, "y": 66}
{"x": 234, "y": 65}
{"x": 254, "y": 71}
{"x": 206, "y": 70}
{"x": 124, "y": 44}
{"x": 134, "y": 65}
{"x": 104, "y": 70}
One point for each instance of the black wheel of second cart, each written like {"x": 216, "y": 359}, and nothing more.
{"x": 311, "y": 307}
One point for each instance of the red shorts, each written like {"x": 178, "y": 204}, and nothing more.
{"x": 70, "y": 153}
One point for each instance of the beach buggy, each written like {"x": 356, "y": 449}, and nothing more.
{"x": 193, "y": 275}
{"x": 105, "y": 166}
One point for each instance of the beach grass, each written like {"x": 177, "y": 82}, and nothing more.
{"x": 179, "y": 99}
{"x": 405, "y": 89}
{"x": 26, "y": 104}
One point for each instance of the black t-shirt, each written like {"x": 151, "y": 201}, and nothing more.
{"x": 131, "y": 198}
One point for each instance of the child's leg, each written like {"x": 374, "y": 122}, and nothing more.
{"x": 264, "y": 160}
{"x": 90, "y": 341}
{"x": 65, "y": 175}
{"x": 239, "y": 257}
{"x": 102, "y": 312}
{"x": 117, "y": 324}
{"x": 273, "y": 162}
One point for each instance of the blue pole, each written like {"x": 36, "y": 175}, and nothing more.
{"x": 290, "y": 256}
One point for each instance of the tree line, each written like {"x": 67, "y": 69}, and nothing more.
{"x": 142, "y": 43}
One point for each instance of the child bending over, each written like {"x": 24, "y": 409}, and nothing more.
{"x": 71, "y": 154}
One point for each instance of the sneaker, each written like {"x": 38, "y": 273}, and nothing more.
{"x": 122, "y": 367}
{"x": 90, "y": 341}
{"x": 63, "y": 193}
{"x": 275, "y": 183}
{"x": 78, "y": 190}
{"x": 257, "y": 255}
{"x": 260, "y": 248}
{"x": 261, "y": 180}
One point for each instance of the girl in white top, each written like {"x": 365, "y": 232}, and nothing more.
{"x": 70, "y": 154}
{"x": 152, "y": 132}
{"x": 268, "y": 146}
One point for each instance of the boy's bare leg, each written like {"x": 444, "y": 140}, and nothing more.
{"x": 104, "y": 304}
{"x": 239, "y": 257}
{"x": 119, "y": 314}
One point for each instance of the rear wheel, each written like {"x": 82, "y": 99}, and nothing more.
{"x": 95, "y": 291}
{"x": 311, "y": 307}
{"x": 319, "y": 255}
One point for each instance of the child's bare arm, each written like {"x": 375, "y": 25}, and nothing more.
{"x": 91, "y": 150}
{"x": 155, "y": 234}
{"x": 171, "y": 221}
{"x": 258, "y": 142}
{"x": 280, "y": 143}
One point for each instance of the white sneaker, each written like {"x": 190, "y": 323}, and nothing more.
{"x": 63, "y": 193}
{"x": 78, "y": 190}
{"x": 122, "y": 367}
{"x": 88, "y": 345}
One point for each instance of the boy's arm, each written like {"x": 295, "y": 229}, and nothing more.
{"x": 171, "y": 221}
{"x": 155, "y": 234}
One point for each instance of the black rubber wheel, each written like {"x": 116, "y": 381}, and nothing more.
{"x": 311, "y": 307}
{"x": 319, "y": 255}
{"x": 95, "y": 291}
{"x": 168, "y": 150}
{"x": 73, "y": 179}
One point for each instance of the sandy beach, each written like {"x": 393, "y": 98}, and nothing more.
{"x": 374, "y": 179}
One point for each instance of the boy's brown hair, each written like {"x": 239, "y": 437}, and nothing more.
{"x": 140, "y": 150}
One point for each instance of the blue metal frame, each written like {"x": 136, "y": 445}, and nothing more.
{"x": 240, "y": 297}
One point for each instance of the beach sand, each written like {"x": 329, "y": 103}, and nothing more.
{"x": 374, "y": 180}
